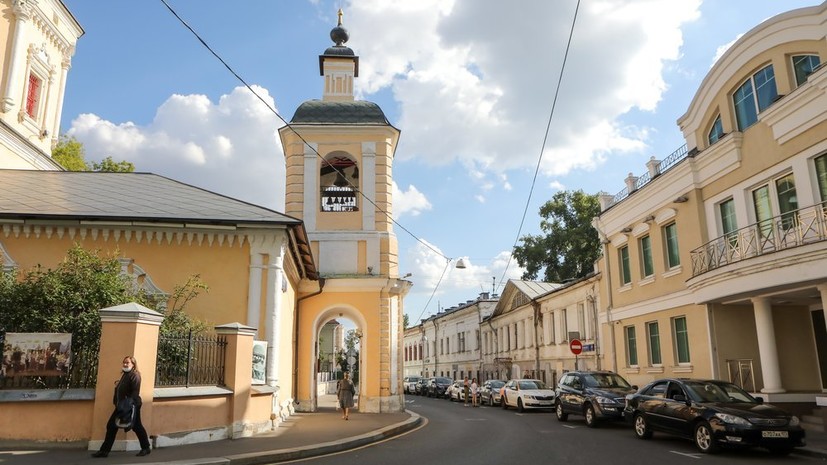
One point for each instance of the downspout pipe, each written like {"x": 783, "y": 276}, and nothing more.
{"x": 604, "y": 240}
{"x": 296, "y": 336}
{"x": 536, "y": 306}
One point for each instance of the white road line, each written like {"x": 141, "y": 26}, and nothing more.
{"x": 571, "y": 426}
{"x": 694, "y": 456}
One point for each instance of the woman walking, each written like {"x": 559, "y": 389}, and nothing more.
{"x": 474, "y": 391}
{"x": 128, "y": 387}
{"x": 345, "y": 394}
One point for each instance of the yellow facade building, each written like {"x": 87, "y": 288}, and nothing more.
{"x": 339, "y": 153}
{"x": 715, "y": 259}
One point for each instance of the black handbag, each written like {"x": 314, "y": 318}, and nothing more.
{"x": 125, "y": 413}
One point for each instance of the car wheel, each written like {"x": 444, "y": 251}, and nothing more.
{"x": 520, "y": 405}
{"x": 591, "y": 417}
{"x": 704, "y": 440}
{"x": 642, "y": 430}
{"x": 503, "y": 402}
{"x": 561, "y": 415}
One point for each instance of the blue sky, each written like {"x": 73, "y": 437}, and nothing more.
{"x": 470, "y": 83}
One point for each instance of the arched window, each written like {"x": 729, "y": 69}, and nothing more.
{"x": 339, "y": 181}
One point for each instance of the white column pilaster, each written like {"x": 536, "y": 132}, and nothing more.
{"x": 254, "y": 290}
{"x": 22, "y": 14}
{"x": 767, "y": 347}
{"x": 273, "y": 305}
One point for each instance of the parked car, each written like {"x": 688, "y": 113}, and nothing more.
{"x": 597, "y": 395}
{"x": 490, "y": 392}
{"x": 409, "y": 384}
{"x": 456, "y": 391}
{"x": 712, "y": 413}
{"x": 437, "y": 386}
{"x": 421, "y": 386}
{"x": 527, "y": 393}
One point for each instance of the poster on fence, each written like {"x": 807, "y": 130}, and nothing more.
{"x": 259, "y": 361}
{"x": 36, "y": 354}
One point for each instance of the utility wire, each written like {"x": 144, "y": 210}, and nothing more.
{"x": 545, "y": 139}
{"x": 273, "y": 110}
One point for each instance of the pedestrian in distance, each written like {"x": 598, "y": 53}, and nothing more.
{"x": 466, "y": 391}
{"x": 345, "y": 393}
{"x": 474, "y": 391}
{"x": 127, "y": 413}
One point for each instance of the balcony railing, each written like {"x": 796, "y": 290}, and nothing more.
{"x": 792, "y": 229}
{"x": 661, "y": 168}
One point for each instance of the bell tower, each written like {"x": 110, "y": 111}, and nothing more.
{"x": 339, "y": 154}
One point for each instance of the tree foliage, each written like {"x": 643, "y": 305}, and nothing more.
{"x": 569, "y": 244}
{"x": 69, "y": 152}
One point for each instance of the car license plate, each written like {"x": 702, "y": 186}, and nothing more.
{"x": 775, "y": 434}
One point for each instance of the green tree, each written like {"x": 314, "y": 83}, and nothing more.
{"x": 405, "y": 321}
{"x": 569, "y": 244}
{"x": 69, "y": 152}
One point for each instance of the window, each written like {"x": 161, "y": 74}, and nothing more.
{"x": 821, "y": 174}
{"x": 681, "y": 339}
{"x": 564, "y": 324}
{"x": 804, "y": 65}
{"x": 716, "y": 132}
{"x": 581, "y": 320}
{"x": 339, "y": 181}
{"x": 631, "y": 346}
{"x": 625, "y": 270}
{"x": 673, "y": 257}
{"x": 763, "y": 209}
{"x": 754, "y": 95}
{"x": 33, "y": 96}
{"x": 646, "y": 256}
{"x": 787, "y": 200}
{"x": 729, "y": 224}
{"x": 653, "y": 334}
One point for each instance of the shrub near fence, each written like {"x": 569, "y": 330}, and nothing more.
{"x": 190, "y": 360}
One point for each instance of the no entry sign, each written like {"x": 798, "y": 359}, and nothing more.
{"x": 576, "y": 346}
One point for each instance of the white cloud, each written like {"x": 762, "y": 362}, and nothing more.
{"x": 719, "y": 52}
{"x": 409, "y": 202}
{"x": 230, "y": 147}
{"x": 475, "y": 80}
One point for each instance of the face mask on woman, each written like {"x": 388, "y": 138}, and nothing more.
{"x": 126, "y": 369}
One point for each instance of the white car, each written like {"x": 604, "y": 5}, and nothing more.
{"x": 409, "y": 384}
{"x": 527, "y": 393}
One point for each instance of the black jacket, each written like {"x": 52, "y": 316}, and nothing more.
{"x": 128, "y": 386}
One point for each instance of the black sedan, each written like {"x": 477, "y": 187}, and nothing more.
{"x": 712, "y": 413}
{"x": 437, "y": 386}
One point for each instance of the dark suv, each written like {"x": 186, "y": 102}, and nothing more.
{"x": 597, "y": 395}
{"x": 438, "y": 386}
{"x": 421, "y": 386}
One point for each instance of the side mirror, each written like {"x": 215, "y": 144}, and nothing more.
{"x": 760, "y": 400}
{"x": 634, "y": 386}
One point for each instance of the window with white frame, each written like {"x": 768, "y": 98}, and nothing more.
{"x": 787, "y": 204}
{"x": 625, "y": 268}
{"x": 631, "y": 346}
{"x": 581, "y": 319}
{"x": 716, "y": 132}
{"x": 729, "y": 223}
{"x": 564, "y": 324}
{"x": 653, "y": 336}
{"x": 804, "y": 65}
{"x": 681, "y": 337}
{"x": 821, "y": 176}
{"x": 673, "y": 257}
{"x": 754, "y": 95}
{"x": 647, "y": 266}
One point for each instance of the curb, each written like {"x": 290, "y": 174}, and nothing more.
{"x": 281, "y": 455}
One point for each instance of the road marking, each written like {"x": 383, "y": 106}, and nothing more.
{"x": 571, "y": 426}
{"x": 476, "y": 419}
{"x": 694, "y": 456}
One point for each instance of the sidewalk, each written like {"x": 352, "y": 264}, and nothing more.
{"x": 302, "y": 435}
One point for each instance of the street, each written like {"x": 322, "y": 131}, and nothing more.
{"x": 464, "y": 435}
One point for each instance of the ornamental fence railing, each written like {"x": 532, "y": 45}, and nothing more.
{"x": 190, "y": 360}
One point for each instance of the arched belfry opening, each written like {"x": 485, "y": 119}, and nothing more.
{"x": 340, "y": 184}
{"x": 339, "y": 181}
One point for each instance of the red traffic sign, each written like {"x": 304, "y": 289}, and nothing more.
{"x": 576, "y": 346}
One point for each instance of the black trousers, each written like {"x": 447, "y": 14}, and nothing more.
{"x": 112, "y": 430}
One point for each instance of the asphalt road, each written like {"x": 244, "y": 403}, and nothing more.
{"x": 460, "y": 435}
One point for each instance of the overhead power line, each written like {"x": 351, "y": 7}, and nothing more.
{"x": 545, "y": 140}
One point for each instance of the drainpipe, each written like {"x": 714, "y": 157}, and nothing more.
{"x": 496, "y": 345}
{"x": 604, "y": 240}
{"x": 296, "y": 337}
{"x": 536, "y": 306}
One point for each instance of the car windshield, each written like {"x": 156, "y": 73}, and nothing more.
{"x": 605, "y": 380}
{"x": 531, "y": 384}
{"x": 442, "y": 380}
{"x": 496, "y": 384}
{"x": 717, "y": 392}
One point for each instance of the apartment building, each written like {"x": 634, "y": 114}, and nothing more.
{"x": 714, "y": 259}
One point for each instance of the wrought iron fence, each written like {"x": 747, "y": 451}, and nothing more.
{"x": 665, "y": 164}
{"x": 792, "y": 229}
{"x": 190, "y": 360}
{"x": 81, "y": 373}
